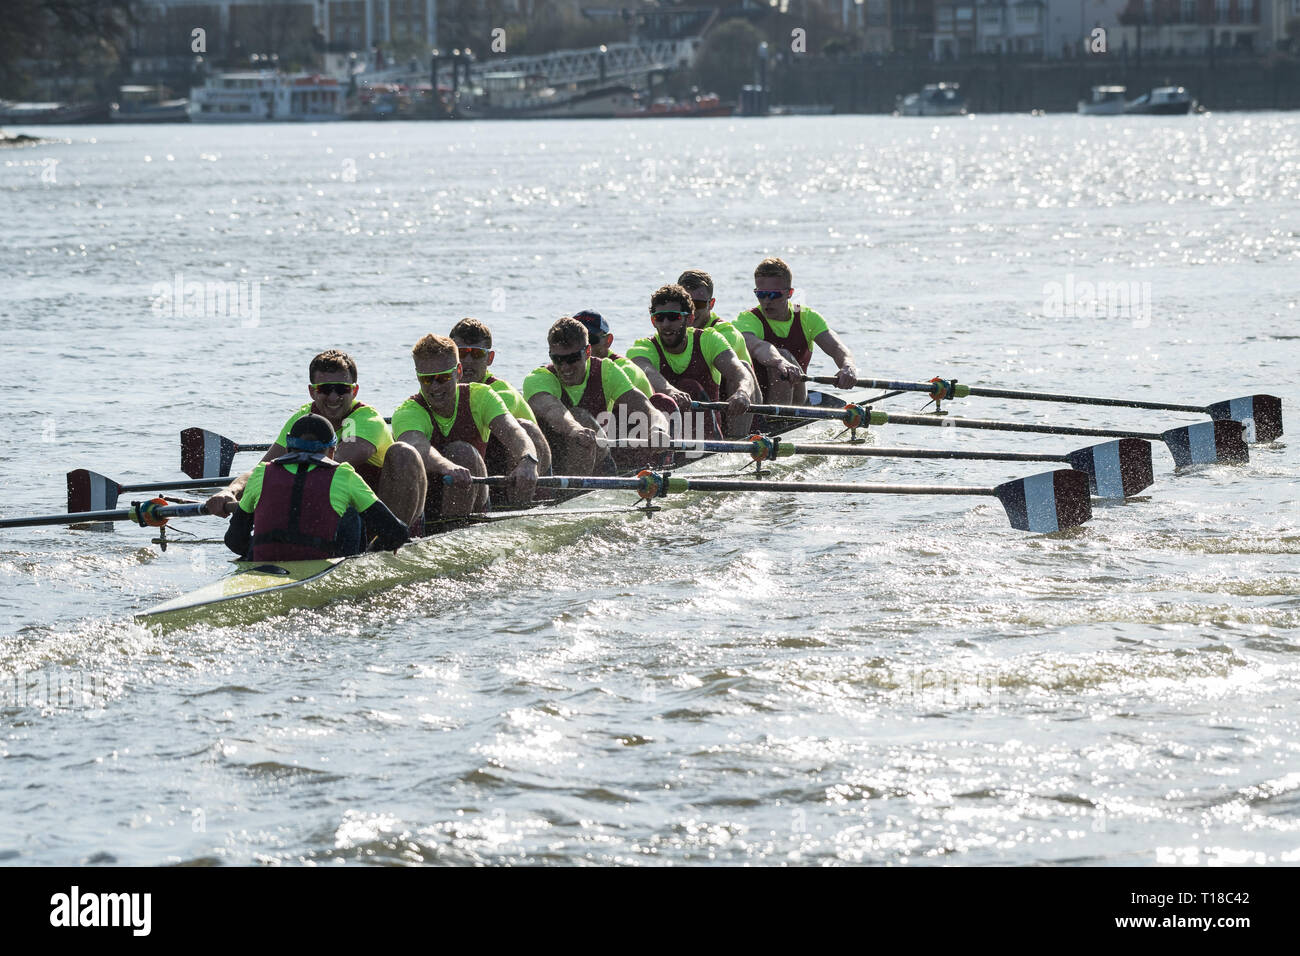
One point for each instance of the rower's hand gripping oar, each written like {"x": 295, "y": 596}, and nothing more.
{"x": 147, "y": 514}
{"x": 91, "y": 491}
{"x": 1044, "y": 503}
{"x": 1205, "y": 443}
{"x": 1115, "y": 469}
{"x": 1262, "y": 414}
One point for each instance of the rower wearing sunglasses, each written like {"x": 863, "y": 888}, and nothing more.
{"x": 600, "y": 338}
{"x": 392, "y": 470}
{"x": 305, "y": 505}
{"x": 474, "y": 346}
{"x": 781, "y": 337}
{"x": 690, "y": 364}
{"x": 700, "y": 285}
{"x": 449, "y": 422}
{"x": 578, "y": 396}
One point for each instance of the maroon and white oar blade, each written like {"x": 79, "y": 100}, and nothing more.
{"x": 91, "y": 491}
{"x": 206, "y": 454}
{"x": 1116, "y": 469}
{"x": 1261, "y": 414}
{"x": 1207, "y": 443}
{"x": 1049, "y": 502}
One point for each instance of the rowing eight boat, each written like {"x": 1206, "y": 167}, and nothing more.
{"x": 255, "y": 590}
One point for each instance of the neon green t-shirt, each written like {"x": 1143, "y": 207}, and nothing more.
{"x": 514, "y": 399}
{"x": 484, "y": 404}
{"x": 711, "y": 343}
{"x": 613, "y": 378}
{"x": 635, "y": 375}
{"x": 346, "y": 489}
{"x": 733, "y": 335}
{"x": 363, "y": 422}
{"x": 813, "y": 324}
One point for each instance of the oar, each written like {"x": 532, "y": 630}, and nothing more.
{"x": 1044, "y": 503}
{"x": 1204, "y": 443}
{"x": 1115, "y": 469}
{"x": 206, "y": 454}
{"x": 89, "y": 490}
{"x": 1262, "y": 414}
{"x": 152, "y": 514}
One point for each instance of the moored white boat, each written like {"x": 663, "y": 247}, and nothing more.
{"x": 267, "y": 96}
{"x": 1106, "y": 101}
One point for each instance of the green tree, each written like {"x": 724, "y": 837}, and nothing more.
{"x": 729, "y": 58}
{"x": 79, "y": 38}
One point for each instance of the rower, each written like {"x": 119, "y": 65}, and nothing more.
{"x": 691, "y": 364}
{"x": 474, "y": 346}
{"x": 700, "y": 285}
{"x": 448, "y": 422}
{"x": 780, "y": 338}
{"x": 578, "y": 396}
{"x": 391, "y": 469}
{"x": 600, "y": 338}
{"x": 304, "y": 505}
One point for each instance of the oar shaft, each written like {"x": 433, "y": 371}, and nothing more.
{"x": 981, "y": 392}
{"x": 829, "y": 487}
{"x": 787, "y": 449}
{"x": 677, "y": 484}
{"x": 178, "y": 485}
{"x": 785, "y": 411}
{"x": 996, "y": 426}
{"x": 120, "y": 514}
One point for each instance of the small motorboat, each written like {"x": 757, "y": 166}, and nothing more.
{"x": 1106, "y": 101}
{"x": 936, "y": 99}
{"x": 1163, "y": 101}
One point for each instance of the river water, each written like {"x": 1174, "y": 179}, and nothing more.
{"x": 759, "y": 678}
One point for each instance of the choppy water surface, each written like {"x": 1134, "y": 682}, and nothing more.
{"x": 757, "y": 678}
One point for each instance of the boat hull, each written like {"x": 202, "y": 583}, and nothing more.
{"x": 256, "y": 590}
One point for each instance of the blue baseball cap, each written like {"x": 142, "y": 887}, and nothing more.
{"x": 596, "y": 325}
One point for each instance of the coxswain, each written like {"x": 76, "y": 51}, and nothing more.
{"x": 304, "y": 505}
{"x": 391, "y": 469}
{"x": 691, "y": 364}
{"x": 474, "y": 346}
{"x": 780, "y": 338}
{"x": 578, "y": 397}
{"x": 448, "y": 422}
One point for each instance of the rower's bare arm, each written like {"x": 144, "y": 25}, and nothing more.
{"x": 765, "y": 353}
{"x": 434, "y": 463}
{"x": 639, "y": 404}
{"x": 550, "y": 410}
{"x": 355, "y": 451}
{"x": 657, "y": 382}
{"x": 224, "y": 502}
{"x": 523, "y": 456}
{"x": 839, "y": 353}
{"x": 736, "y": 379}
{"x": 507, "y": 430}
